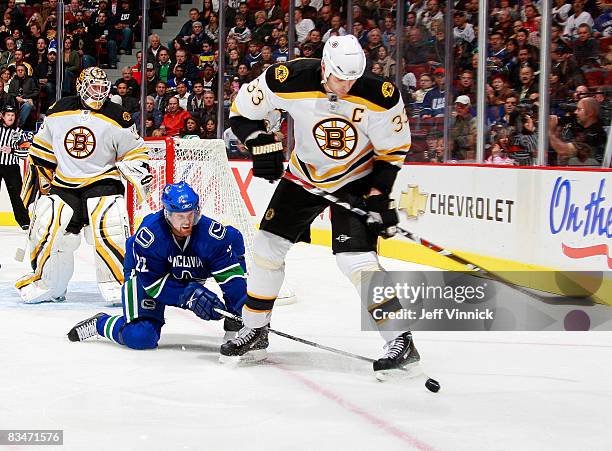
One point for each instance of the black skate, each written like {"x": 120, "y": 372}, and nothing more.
{"x": 401, "y": 355}
{"x": 249, "y": 346}
{"x": 85, "y": 329}
{"x": 231, "y": 327}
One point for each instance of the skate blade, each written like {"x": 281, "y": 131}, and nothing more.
{"x": 409, "y": 371}
{"x": 45, "y": 301}
{"x": 249, "y": 358}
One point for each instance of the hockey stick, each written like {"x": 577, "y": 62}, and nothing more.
{"x": 431, "y": 384}
{"x": 411, "y": 236}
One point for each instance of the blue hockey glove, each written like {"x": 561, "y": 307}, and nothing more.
{"x": 201, "y": 301}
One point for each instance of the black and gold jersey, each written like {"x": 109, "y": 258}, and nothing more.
{"x": 337, "y": 140}
{"x": 82, "y": 146}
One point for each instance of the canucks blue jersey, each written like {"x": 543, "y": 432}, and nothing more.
{"x": 164, "y": 266}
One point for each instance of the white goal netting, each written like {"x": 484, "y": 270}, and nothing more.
{"x": 203, "y": 164}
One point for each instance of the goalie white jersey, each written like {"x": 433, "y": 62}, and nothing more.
{"x": 337, "y": 140}
{"x": 82, "y": 146}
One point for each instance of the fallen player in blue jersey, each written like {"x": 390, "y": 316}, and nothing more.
{"x": 167, "y": 261}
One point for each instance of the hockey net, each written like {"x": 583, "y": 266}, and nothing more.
{"x": 204, "y": 165}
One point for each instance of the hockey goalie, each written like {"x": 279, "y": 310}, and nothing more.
{"x": 88, "y": 143}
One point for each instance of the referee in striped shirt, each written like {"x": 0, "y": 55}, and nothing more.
{"x": 11, "y": 154}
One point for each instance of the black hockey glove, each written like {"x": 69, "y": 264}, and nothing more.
{"x": 382, "y": 216}
{"x": 268, "y": 156}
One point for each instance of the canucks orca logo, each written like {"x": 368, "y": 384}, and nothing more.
{"x": 336, "y": 137}
{"x": 80, "y": 142}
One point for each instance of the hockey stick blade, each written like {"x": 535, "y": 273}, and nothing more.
{"x": 430, "y": 383}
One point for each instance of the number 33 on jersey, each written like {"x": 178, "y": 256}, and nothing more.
{"x": 337, "y": 140}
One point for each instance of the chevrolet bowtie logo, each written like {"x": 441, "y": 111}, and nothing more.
{"x": 413, "y": 202}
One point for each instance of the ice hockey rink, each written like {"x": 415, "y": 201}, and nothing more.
{"x": 500, "y": 391}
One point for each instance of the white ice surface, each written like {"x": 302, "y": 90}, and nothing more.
{"x": 500, "y": 391}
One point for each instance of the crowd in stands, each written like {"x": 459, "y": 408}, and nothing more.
{"x": 181, "y": 77}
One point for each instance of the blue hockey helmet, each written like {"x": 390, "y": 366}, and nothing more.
{"x": 180, "y": 198}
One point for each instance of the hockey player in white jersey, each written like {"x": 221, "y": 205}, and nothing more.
{"x": 88, "y": 143}
{"x": 351, "y": 138}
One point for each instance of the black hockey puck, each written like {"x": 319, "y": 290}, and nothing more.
{"x": 432, "y": 385}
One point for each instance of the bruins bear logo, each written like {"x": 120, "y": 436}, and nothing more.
{"x": 80, "y": 142}
{"x": 126, "y": 116}
{"x": 281, "y": 73}
{"x": 337, "y": 137}
{"x": 387, "y": 89}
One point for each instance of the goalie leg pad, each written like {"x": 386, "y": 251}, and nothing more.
{"x": 109, "y": 229}
{"x": 47, "y": 236}
{"x": 265, "y": 277}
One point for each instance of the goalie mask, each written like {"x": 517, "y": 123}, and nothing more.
{"x": 181, "y": 207}
{"x": 93, "y": 87}
{"x": 344, "y": 58}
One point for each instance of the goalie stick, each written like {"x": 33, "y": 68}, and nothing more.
{"x": 431, "y": 384}
{"x": 411, "y": 236}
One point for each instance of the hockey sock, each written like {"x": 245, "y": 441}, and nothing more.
{"x": 109, "y": 327}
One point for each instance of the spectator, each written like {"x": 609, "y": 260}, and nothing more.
{"x": 529, "y": 84}
{"x": 314, "y": 40}
{"x": 434, "y": 153}
{"x": 249, "y": 15}
{"x": 432, "y": 12}
{"x": 266, "y": 59}
{"x": 416, "y": 50}
{"x": 560, "y": 12}
{"x": 161, "y": 96}
{"x": 586, "y": 48}
{"x": 209, "y": 78}
{"x": 136, "y": 74}
{"x": 588, "y": 129}
{"x": 194, "y": 41}
{"x": 154, "y": 48}
{"x": 434, "y": 100}
{"x": 210, "y": 129}
{"x": 387, "y": 63}
{"x": 211, "y": 30}
{"x": 207, "y": 11}
{"x": 150, "y": 128}
{"x": 190, "y": 69}
{"x": 274, "y": 13}
{"x": 174, "y": 119}
{"x": 179, "y": 76}
{"x": 133, "y": 89}
{"x": 187, "y": 28}
{"x": 23, "y": 90}
{"x": 360, "y": 33}
{"x": 323, "y": 23}
{"x": 336, "y": 28}
{"x": 6, "y": 29}
{"x": 240, "y": 31}
{"x": 46, "y": 75}
{"x": 579, "y": 17}
{"x": 150, "y": 111}
{"x": 500, "y": 151}
{"x": 209, "y": 110}
{"x": 151, "y": 79}
{"x": 426, "y": 83}
{"x": 102, "y": 33}
{"x": 374, "y": 43}
{"x": 164, "y": 66}
{"x": 6, "y": 76}
{"x": 182, "y": 94}
{"x": 531, "y": 22}
{"x": 7, "y": 57}
{"x": 389, "y": 29}
{"x": 603, "y": 23}
{"x": 195, "y": 102}
{"x": 254, "y": 54}
{"x": 302, "y": 26}
{"x": 5, "y": 99}
{"x": 243, "y": 74}
{"x": 206, "y": 55}
{"x": 466, "y": 85}
{"x": 463, "y": 29}
{"x": 129, "y": 103}
{"x": 231, "y": 69}
{"x": 281, "y": 52}
{"x": 463, "y": 130}
{"x": 524, "y": 143}
{"x": 192, "y": 129}
{"x": 308, "y": 12}
{"x": 72, "y": 64}
{"x": 124, "y": 22}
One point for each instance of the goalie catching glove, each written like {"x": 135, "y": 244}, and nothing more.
{"x": 268, "y": 156}
{"x": 382, "y": 217}
{"x": 201, "y": 301}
